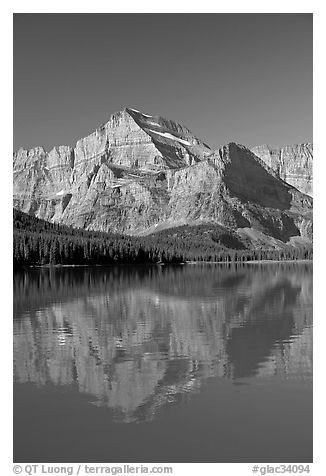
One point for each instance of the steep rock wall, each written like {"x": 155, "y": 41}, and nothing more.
{"x": 137, "y": 174}
{"x": 294, "y": 164}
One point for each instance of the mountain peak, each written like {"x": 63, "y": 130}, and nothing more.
{"x": 139, "y": 173}
{"x": 133, "y": 110}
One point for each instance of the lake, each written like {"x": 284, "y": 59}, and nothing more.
{"x": 189, "y": 363}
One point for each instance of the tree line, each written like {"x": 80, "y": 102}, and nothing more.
{"x": 37, "y": 242}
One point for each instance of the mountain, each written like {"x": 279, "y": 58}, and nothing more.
{"x": 138, "y": 174}
{"x": 291, "y": 163}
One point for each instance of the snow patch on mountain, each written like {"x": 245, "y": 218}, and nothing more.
{"x": 136, "y": 110}
{"x": 152, "y": 123}
{"x": 171, "y": 136}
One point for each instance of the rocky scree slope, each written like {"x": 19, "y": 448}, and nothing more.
{"x": 138, "y": 174}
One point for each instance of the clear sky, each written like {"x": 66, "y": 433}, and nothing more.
{"x": 227, "y": 77}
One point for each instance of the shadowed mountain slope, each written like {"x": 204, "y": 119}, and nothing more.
{"x": 293, "y": 163}
{"x": 138, "y": 174}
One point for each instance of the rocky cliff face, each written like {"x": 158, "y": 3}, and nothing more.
{"x": 137, "y": 174}
{"x": 292, "y": 163}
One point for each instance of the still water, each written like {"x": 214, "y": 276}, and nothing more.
{"x": 163, "y": 364}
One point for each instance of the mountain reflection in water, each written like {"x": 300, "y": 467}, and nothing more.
{"x": 137, "y": 339}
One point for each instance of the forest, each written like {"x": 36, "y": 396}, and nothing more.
{"x": 38, "y": 242}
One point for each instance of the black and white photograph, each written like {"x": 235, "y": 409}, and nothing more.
{"x": 162, "y": 241}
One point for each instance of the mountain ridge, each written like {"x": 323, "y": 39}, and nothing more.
{"x": 294, "y": 164}
{"x": 137, "y": 173}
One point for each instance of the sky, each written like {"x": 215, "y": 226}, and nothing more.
{"x": 245, "y": 78}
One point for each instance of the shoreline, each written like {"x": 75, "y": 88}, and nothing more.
{"x": 263, "y": 261}
{"x": 166, "y": 264}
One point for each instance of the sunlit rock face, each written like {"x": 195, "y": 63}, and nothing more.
{"x": 234, "y": 187}
{"x": 292, "y": 163}
{"x": 138, "y": 174}
{"x": 137, "y": 340}
{"x": 112, "y": 180}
